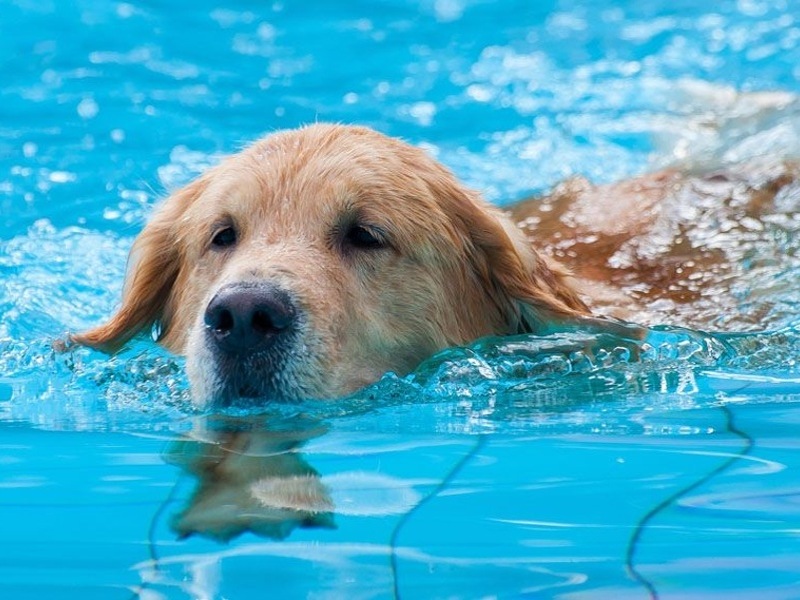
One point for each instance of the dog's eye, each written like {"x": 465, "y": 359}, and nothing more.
{"x": 364, "y": 238}
{"x": 224, "y": 238}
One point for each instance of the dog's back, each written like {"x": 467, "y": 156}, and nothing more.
{"x": 681, "y": 247}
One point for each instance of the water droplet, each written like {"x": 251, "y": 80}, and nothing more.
{"x": 88, "y": 108}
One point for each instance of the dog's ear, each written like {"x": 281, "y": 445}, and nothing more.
{"x": 154, "y": 265}
{"x": 538, "y": 290}
{"x": 530, "y": 291}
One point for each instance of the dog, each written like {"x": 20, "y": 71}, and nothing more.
{"x": 318, "y": 259}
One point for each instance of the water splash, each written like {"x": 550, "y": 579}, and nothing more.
{"x": 572, "y": 379}
{"x": 578, "y": 381}
{"x": 56, "y": 280}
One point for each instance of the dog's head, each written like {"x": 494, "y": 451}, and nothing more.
{"x": 318, "y": 259}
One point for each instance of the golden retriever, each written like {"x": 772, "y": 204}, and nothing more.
{"x": 318, "y": 259}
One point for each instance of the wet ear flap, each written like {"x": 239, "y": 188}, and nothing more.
{"x": 153, "y": 267}
{"x": 531, "y": 292}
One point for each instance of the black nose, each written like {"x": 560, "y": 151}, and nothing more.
{"x": 245, "y": 318}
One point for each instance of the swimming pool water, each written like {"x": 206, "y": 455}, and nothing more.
{"x": 514, "y": 468}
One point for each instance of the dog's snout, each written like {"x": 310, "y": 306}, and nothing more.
{"x": 245, "y": 318}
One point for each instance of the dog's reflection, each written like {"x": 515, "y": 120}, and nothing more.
{"x": 251, "y": 477}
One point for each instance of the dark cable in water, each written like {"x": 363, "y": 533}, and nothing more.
{"x": 151, "y": 536}
{"x": 480, "y": 441}
{"x": 635, "y": 539}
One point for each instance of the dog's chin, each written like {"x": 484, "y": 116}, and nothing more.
{"x": 219, "y": 380}
{"x": 246, "y": 395}
{"x": 245, "y": 389}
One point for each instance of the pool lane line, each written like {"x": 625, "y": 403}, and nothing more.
{"x": 480, "y": 442}
{"x": 635, "y": 539}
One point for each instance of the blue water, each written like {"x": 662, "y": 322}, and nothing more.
{"x": 515, "y": 468}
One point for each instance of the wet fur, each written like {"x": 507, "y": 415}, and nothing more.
{"x": 457, "y": 268}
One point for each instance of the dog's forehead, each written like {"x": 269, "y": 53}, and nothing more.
{"x": 323, "y": 170}
{"x": 323, "y": 154}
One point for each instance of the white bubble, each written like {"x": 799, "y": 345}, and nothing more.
{"x": 62, "y": 177}
{"x": 423, "y": 112}
{"x": 29, "y": 149}
{"x": 448, "y": 10}
{"x": 88, "y": 108}
{"x": 125, "y": 10}
{"x": 111, "y": 214}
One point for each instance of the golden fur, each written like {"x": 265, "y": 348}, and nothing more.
{"x": 452, "y": 268}
{"x": 455, "y": 269}
{"x": 671, "y": 246}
